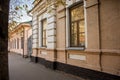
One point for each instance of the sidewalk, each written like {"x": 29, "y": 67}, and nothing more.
{"x": 23, "y": 69}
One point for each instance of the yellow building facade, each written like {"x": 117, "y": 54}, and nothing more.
{"x": 19, "y": 39}
{"x": 80, "y": 37}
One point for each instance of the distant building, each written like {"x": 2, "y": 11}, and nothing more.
{"x": 80, "y": 38}
{"x": 20, "y": 39}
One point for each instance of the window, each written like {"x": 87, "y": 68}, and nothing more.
{"x": 22, "y": 42}
{"x": 44, "y": 25}
{"x": 12, "y": 44}
{"x": 77, "y": 28}
{"x": 17, "y": 43}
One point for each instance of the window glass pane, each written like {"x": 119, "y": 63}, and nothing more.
{"x": 77, "y": 26}
{"x": 82, "y": 39}
{"x": 77, "y": 13}
{"x": 22, "y": 42}
{"x": 81, "y": 26}
{"x": 74, "y": 34}
{"x": 74, "y": 28}
{"x": 17, "y": 43}
{"x": 44, "y": 42}
{"x": 81, "y": 33}
{"x": 74, "y": 40}
{"x": 44, "y": 34}
{"x": 44, "y": 25}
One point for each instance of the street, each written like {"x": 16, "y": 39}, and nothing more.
{"x": 23, "y": 69}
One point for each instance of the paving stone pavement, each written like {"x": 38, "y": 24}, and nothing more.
{"x": 23, "y": 69}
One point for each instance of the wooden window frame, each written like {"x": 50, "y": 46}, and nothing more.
{"x": 43, "y": 32}
{"x": 17, "y": 43}
{"x": 77, "y": 22}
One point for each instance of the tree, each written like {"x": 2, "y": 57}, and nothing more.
{"x": 17, "y": 10}
{"x": 4, "y": 5}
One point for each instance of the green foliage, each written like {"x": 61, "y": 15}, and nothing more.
{"x": 17, "y": 10}
{"x": 12, "y": 25}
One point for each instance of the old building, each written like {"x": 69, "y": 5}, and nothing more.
{"x": 81, "y": 37}
{"x": 19, "y": 39}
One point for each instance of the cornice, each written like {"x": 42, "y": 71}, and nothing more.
{"x": 37, "y": 6}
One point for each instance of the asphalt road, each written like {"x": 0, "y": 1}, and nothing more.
{"x": 23, "y": 69}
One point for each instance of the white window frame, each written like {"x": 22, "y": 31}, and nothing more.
{"x": 41, "y": 17}
{"x": 68, "y": 25}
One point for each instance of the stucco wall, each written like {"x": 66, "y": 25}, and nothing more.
{"x": 102, "y": 49}
{"x": 110, "y": 35}
{"x": 15, "y": 39}
{"x": 110, "y": 24}
{"x": 102, "y": 35}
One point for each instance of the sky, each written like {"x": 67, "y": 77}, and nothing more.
{"x": 25, "y": 17}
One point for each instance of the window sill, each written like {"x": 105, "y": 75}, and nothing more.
{"x": 76, "y": 48}
{"x": 43, "y": 47}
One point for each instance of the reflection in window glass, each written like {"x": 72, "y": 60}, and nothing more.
{"x": 44, "y": 25}
{"x": 22, "y": 42}
{"x": 77, "y": 26}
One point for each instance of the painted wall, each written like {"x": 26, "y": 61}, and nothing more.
{"x": 22, "y": 30}
{"x": 102, "y": 49}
